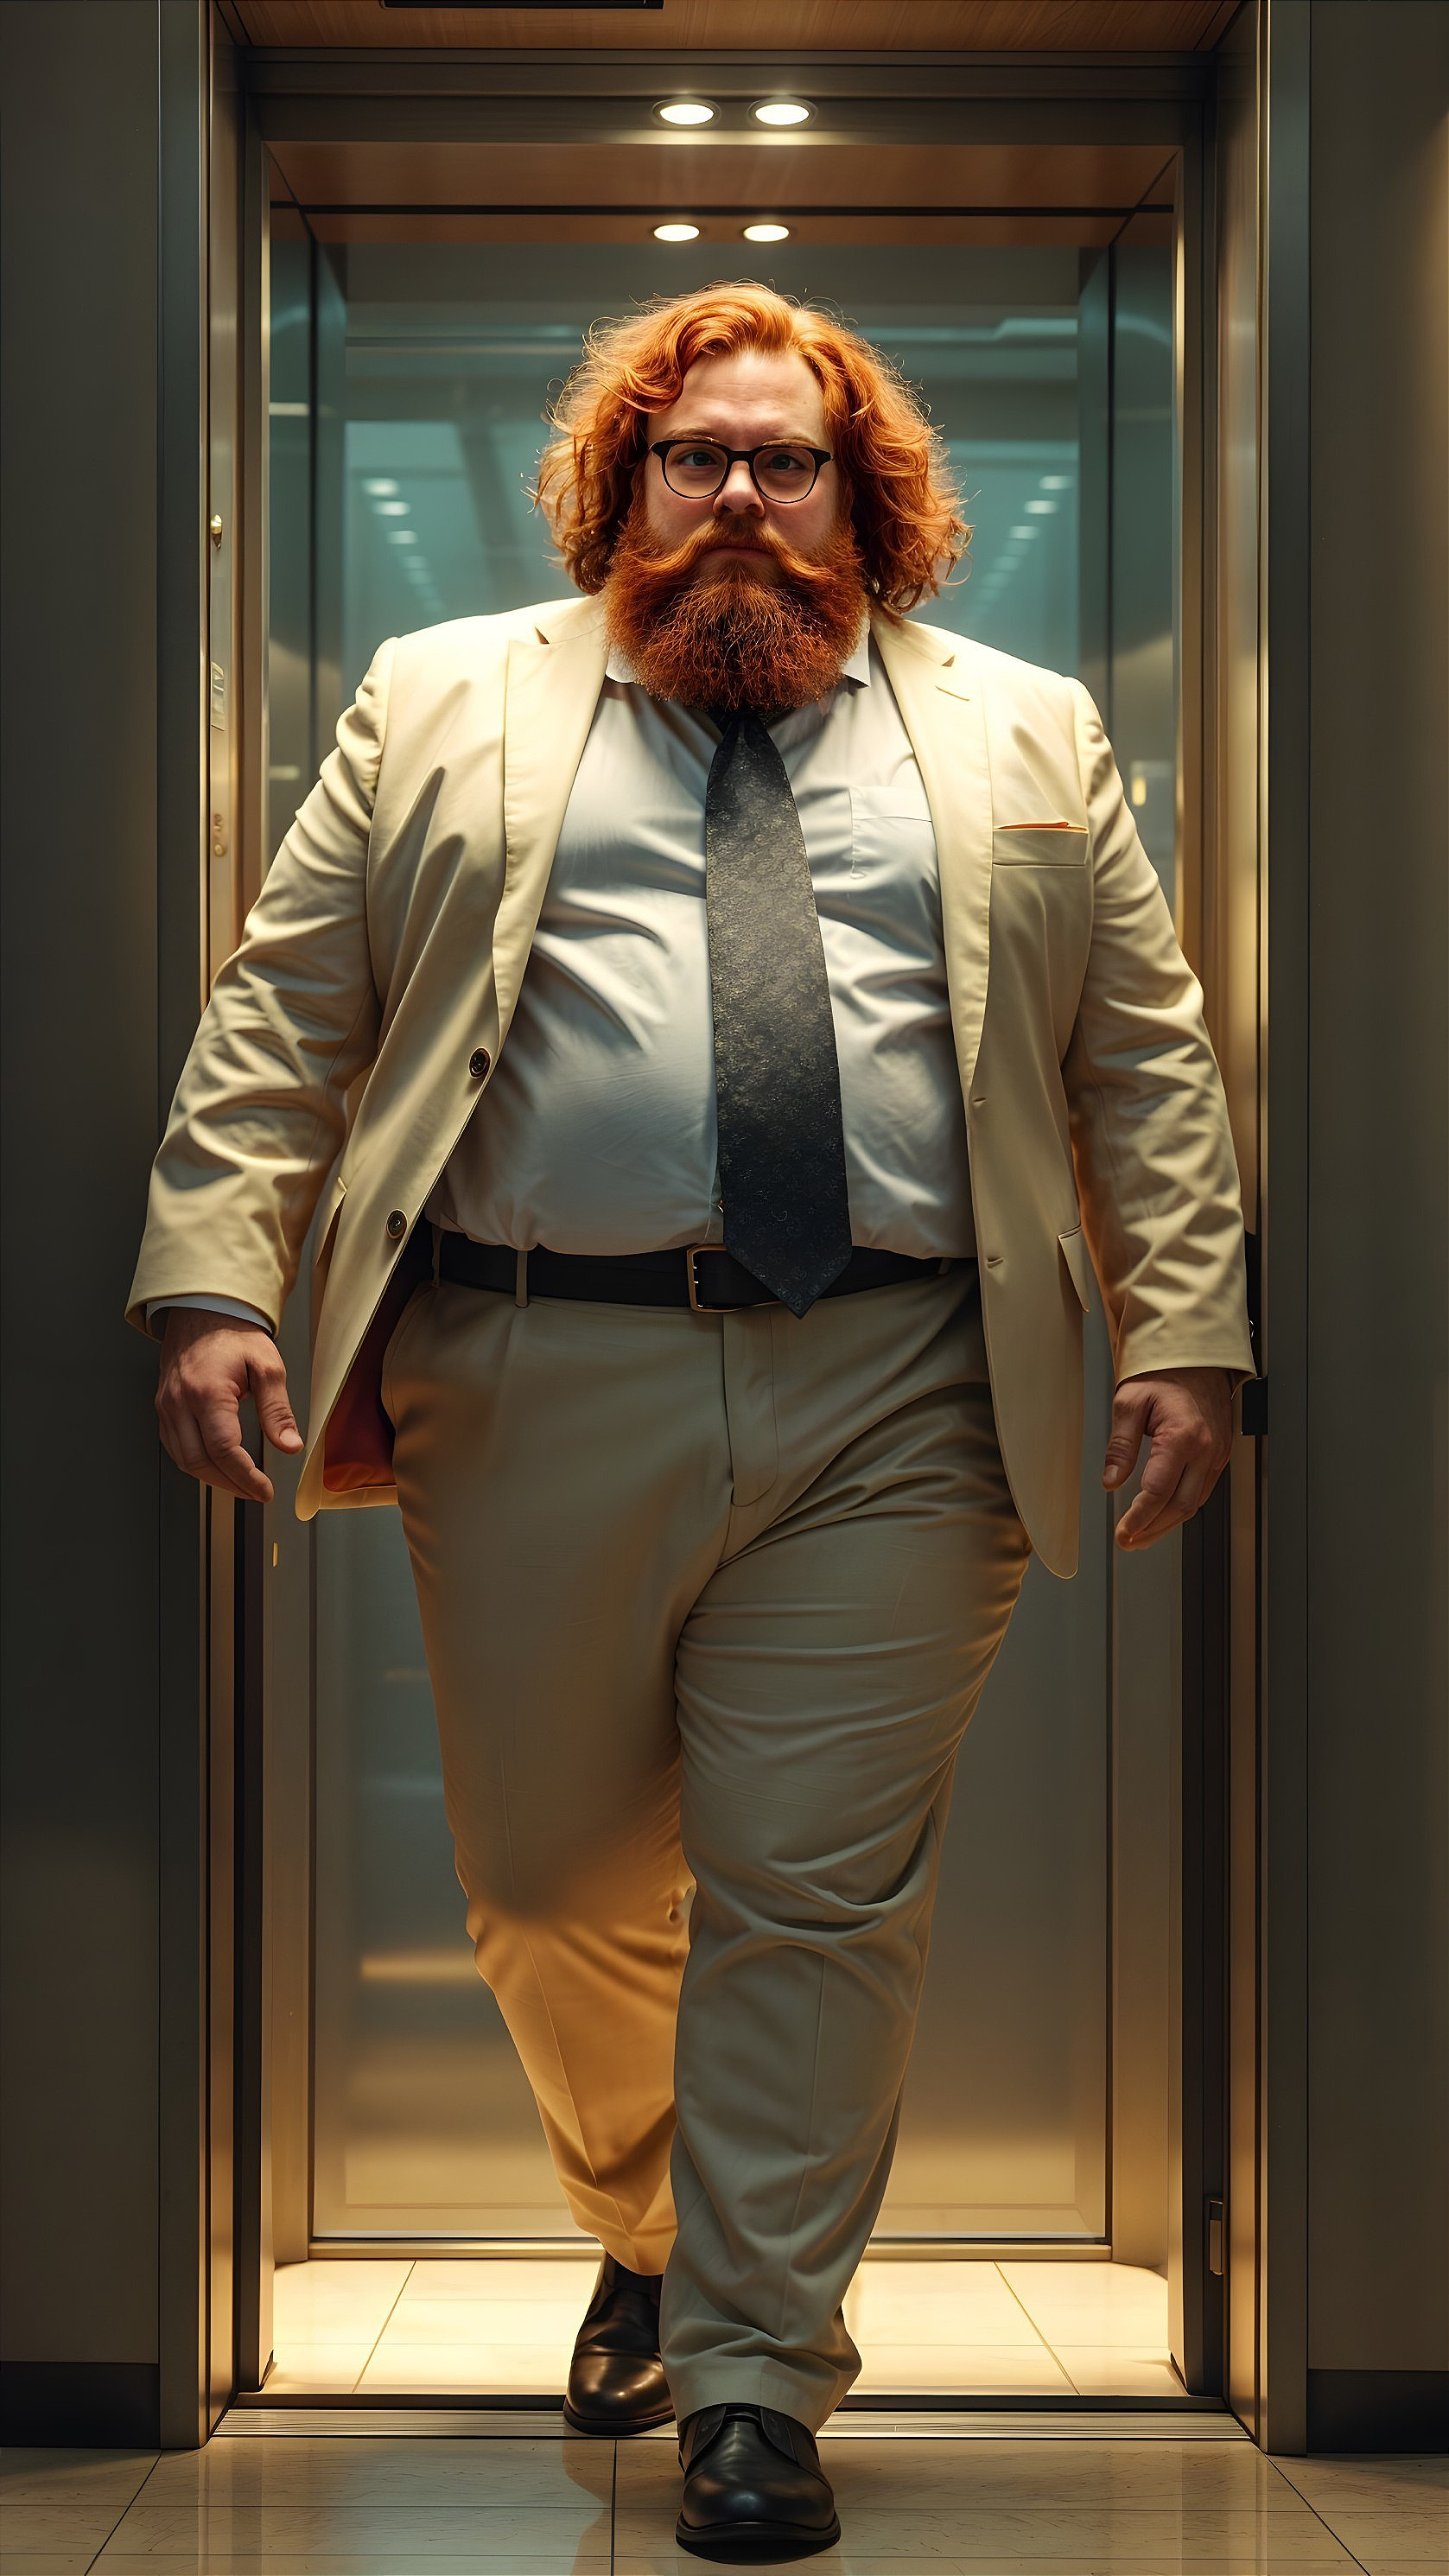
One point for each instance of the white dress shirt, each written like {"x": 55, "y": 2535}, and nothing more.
{"x": 597, "y": 1132}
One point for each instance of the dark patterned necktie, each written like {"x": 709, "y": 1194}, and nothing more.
{"x": 777, "y": 1080}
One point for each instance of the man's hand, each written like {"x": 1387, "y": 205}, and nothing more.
{"x": 1187, "y": 1414}
{"x": 208, "y": 1364}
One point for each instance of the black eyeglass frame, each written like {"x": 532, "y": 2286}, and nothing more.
{"x": 743, "y": 456}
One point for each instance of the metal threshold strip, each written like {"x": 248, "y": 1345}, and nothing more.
{"x": 414, "y": 2248}
{"x": 1195, "y": 2419}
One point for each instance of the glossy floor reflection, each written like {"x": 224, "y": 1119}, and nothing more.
{"x": 303, "y": 2504}
{"x": 490, "y": 2328}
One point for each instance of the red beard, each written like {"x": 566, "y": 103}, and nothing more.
{"x": 729, "y": 640}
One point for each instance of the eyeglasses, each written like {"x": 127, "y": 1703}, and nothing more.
{"x": 697, "y": 468}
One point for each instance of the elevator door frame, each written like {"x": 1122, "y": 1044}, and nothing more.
{"x": 246, "y": 1871}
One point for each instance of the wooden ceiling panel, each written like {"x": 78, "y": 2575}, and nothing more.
{"x": 756, "y": 26}
{"x": 747, "y": 177}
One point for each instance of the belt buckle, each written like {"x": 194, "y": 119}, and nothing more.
{"x": 691, "y": 1275}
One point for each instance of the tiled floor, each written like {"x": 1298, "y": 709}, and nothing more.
{"x": 488, "y": 2328}
{"x": 304, "y": 2505}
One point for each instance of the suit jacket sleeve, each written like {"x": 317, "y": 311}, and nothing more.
{"x": 1156, "y": 1172}
{"x": 260, "y": 1110}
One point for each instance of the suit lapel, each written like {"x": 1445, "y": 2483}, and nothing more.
{"x": 551, "y": 692}
{"x": 940, "y": 700}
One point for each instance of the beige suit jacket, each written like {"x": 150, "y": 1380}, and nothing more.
{"x": 383, "y": 961}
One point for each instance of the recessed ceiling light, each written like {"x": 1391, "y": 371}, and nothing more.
{"x": 767, "y": 232}
{"x": 686, "y": 111}
{"x": 676, "y": 232}
{"x": 380, "y": 487}
{"x": 402, "y": 536}
{"x": 1041, "y": 509}
{"x": 782, "y": 111}
{"x": 1056, "y": 482}
{"x": 393, "y": 509}
{"x": 1019, "y": 533}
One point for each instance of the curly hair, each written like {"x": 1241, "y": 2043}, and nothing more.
{"x": 902, "y": 496}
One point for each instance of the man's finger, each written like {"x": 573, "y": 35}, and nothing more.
{"x": 1152, "y": 1514}
{"x": 1124, "y": 1440}
{"x": 1167, "y": 1460}
{"x": 182, "y": 1438}
{"x": 183, "y": 1444}
{"x": 220, "y": 1427}
{"x": 274, "y": 1413}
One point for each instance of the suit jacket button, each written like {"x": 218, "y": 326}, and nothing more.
{"x": 479, "y": 1061}
{"x": 397, "y": 1225}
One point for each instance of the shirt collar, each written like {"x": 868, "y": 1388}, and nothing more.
{"x": 856, "y": 667}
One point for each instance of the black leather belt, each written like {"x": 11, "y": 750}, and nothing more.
{"x": 704, "y": 1276}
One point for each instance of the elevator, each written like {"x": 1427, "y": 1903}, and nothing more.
{"x": 178, "y": 402}
{"x": 421, "y": 240}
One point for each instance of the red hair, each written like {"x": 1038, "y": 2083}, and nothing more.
{"x": 898, "y": 484}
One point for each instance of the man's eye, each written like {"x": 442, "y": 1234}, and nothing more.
{"x": 784, "y": 459}
{"x": 696, "y": 456}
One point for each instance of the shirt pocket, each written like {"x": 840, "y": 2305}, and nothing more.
{"x": 1040, "y": 845}
{"x": 891, "y": 833}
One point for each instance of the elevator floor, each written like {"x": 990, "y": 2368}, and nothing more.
{"x": 302, "y": 2505}
{"x": 506, "y": 2328}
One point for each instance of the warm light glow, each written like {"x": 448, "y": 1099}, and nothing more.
{"x": 782, "y": 111}
{"x": 767, "y": 232}
{"x": 419, "y": 1967}
{"x": 685, "y": 111}
{"x": 676, "y": 232}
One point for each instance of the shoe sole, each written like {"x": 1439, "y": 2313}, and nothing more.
{"x": 750, "y": 2544}
{"x": 606, "y": 2427}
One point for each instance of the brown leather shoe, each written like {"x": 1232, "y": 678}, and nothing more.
{"x": 616, "y": 2378}
{"x": 754, "y": 2489}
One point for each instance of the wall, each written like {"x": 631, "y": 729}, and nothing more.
{"x": 79, "y": 1484}
{"x": 103, "y": 1736}
{"x": 1378, "y": 1279}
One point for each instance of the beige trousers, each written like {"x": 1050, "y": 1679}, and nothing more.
{"x": 708, "y": 1602}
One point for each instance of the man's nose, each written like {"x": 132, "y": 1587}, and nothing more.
{"x": 737, "y": 491}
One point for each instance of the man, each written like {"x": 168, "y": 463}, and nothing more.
{"x": 750, "y": 1002}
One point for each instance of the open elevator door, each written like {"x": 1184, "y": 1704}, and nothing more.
{"x": 433, "y": 255}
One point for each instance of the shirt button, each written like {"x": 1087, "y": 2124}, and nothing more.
{"x": 397, "y": 1225}
{"x": 478, "y": 1062}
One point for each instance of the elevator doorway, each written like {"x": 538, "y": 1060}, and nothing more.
{"x": 410, "y": 364}
{"x": 441, "y": 359}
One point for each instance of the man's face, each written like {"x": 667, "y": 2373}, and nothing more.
{"x": 730, "y": 600}
{"x": 743, "y": 401}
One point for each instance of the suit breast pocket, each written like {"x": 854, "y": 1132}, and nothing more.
{"x": 1039, "y": 845}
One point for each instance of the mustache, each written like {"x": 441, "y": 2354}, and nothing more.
{"x": 675, "y": 563}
